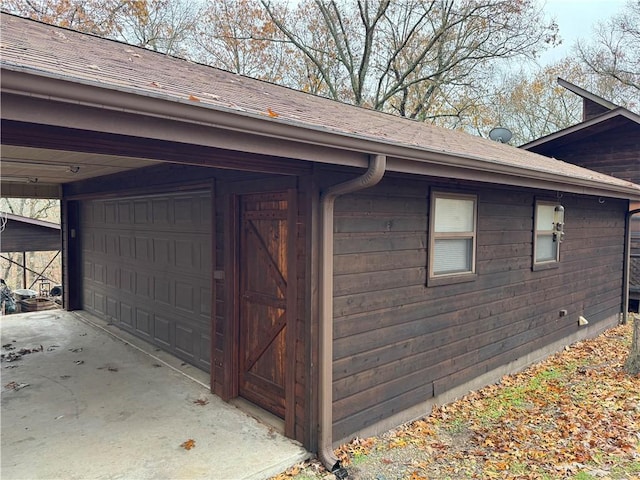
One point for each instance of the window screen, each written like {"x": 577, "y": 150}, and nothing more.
{"x": 452, "y": 255}
{"x": 453, "y": 234}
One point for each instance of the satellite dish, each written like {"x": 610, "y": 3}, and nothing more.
{"x": 500, "y": 134}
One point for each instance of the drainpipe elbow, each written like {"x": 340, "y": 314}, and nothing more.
{"x": 375, "y": 172}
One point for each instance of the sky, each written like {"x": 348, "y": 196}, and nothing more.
{"x": 575, "y": 19}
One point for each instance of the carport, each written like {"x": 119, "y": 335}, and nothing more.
{"x": 99, "y": 402}
{"x": 164, "y": 199}
{"x": 94, "y": 402}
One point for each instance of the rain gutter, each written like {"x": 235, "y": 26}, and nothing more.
{"x": 377, "y": 166}
{"x": 627, "y": 265}
{"x": 344, "y": 148}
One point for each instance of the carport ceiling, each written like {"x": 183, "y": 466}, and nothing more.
{"x": 41, "y": 166}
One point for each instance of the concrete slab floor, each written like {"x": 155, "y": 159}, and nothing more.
{"x": 96, "y": 406}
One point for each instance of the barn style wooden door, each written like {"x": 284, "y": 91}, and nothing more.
{"x": 267, "y": 300}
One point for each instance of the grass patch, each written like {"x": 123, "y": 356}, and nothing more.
{"x": 456, "y": 426}
{"x": 518, "y": 468}
{"x": 629, "y": 470}
{"x": 583, "y": 476}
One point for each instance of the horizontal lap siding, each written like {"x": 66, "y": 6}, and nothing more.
{"x": 634, "y": 273}
{"x": 613, "y": 151}
{"x": 22, "y": 237}
{"x": 397, "y": 342}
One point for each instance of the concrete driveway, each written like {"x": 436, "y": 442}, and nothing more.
{"x": 93, "y": 405}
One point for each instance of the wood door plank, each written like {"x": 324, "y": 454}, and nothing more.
{"x": 273, "y": 268}
{"x": 266, "y": 341}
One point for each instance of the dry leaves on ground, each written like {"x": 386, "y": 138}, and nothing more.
{"x": 188, "y": 444}
{"x": 574, "y": 416}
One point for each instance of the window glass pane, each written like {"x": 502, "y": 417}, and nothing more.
{"x": 452, "y": 255}
{"x": 453, "y": 215}
{"x": 546, "y": 248}
{"x": 635, "y": 225}
{"x": 544, "y": 219}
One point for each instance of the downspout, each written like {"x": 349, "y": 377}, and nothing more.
{"x": 372, "y": 176}
{"x": 627, "y": 266}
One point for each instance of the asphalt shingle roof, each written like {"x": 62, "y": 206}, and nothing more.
{"x": 50, "y": 51}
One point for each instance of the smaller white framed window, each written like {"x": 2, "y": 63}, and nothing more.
{"x": 452, "y": 237}
{"x": 546, "y": 237}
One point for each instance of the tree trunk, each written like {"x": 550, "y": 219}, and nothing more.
{"x": 632, "y": 365}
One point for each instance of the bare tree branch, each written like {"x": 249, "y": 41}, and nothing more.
{"x": 613, "y": 51}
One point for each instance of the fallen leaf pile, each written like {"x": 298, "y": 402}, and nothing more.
{"x": 14, "y": 355}
{"x": 356, "y": 448}
{"x": 574, "y": 415}
{"x": 574, "y": 412}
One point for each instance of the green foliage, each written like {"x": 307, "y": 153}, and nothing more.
{"x": 629, "y": 470}
{"x": 632, "y": 364}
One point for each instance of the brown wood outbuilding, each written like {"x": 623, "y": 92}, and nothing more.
{"x": 23, "y": 234}
{"x": 292, "y": 245}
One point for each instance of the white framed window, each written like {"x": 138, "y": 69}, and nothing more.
{"x": 546, "y": 240}
{"x": 452, "y": 237}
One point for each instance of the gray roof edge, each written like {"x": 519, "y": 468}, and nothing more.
{"x": 618, "y": 111}
{"x": 586, "y": 94}
{"x": 66, "y": 89}
{"x": 29, "y": 220}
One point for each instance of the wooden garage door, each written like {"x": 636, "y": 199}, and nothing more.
{"x": 147, "y": 268}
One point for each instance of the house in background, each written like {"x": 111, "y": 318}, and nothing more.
{"x": 341, "y": 268}
{"x": 607, "y": 141}
{"x": 22, "y": 235}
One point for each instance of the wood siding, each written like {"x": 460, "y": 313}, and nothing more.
{"x": 71, "y": 256}
{"x": 224, "y": 351}
{"x": 19, "y": 236}
{"x": 591, "y": 109}
{"x": 299, "y": 426}
{"x": 306, "y": 351}
{"x": 615, "y": 151}
{"x": 398, "y": 342}
{"x": 613, "y": 148}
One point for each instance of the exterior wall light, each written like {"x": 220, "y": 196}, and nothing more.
{"x": 558, "y": 223}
